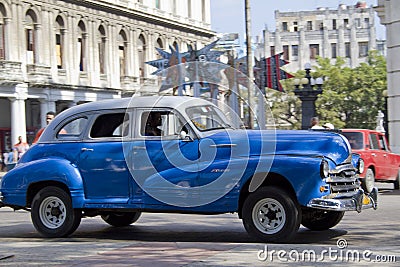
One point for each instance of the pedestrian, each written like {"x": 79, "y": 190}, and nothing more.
{"x": 329, "y": 126}
{"x": 19, "y": 149}
{"x": 49, "y": 117}
{"x": 314, "y": 123}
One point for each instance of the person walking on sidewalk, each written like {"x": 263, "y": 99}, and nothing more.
{"x": 49, "y": 117}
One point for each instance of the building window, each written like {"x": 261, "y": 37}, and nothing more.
{"x": 3, "y": 15}
{"x": 321, "y": 26}
{"x": 122, "y": 48}
{"x": 159, "y": 44}
{"x": 203, "y": 10}
{"x": 81, "y": 43}
{"x": 286, "y": 52}
{"x": 174, "y": 11}
{"x": 314, "y": 51}
{"x": 30, "y": 35}
{"x": 295, "y": 50}
{"x": 334, "y": 26}
{"x": 272, "y": 48}
{"x": 363, "y": 49}
{"x": 60, "y": 28}
{"x": 189, "y": 6}
{"x": 158, "y": 4}
{"x": 284, "y": 26}
{"x": 346, "y": 23}
{"x": 141, "y": 47}
{"x": 2, "y": 38}
{"x": 101, "y": 42}
{"x": 295, "y": 26}
{"x": 347, "y": 50}
{"x": 309, "y": 25}
{"x": 366, "y": 22}
{"x": 358, "y": 22}
{"x": 334, "y": 50}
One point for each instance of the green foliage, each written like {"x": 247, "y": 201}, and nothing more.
{"x": 351, "y": 98}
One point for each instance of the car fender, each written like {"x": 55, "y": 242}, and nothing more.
{"x": 55, "y": 170}
{"x": 289, "y": 167}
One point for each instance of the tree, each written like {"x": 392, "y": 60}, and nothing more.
{"x": 352, "y": 97}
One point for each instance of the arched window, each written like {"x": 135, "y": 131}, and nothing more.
{"x": 3, "y": 15}
{"x": 30, "y": 37}
{"x": 81, "y": 46}
{"x": 122, "y": 49}
{"x": 142, "y": 55}
{"x": 101, "y": 41}
{"x": 159, "y": 44}
{"x": 60, "y": 31}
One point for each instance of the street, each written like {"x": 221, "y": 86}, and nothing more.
{"x": 361, "y": 239}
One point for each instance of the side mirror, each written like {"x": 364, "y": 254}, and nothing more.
{"x": 185, "y": 136}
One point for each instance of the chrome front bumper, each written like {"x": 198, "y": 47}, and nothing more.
{"x": 357, "y": 202}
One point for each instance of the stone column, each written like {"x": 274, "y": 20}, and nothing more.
{"x": 18, "y": 116}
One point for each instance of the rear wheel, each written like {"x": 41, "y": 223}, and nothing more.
{"x": 368, "y": 183}
{"x": 121, "y": 219}
{"x": 271, "y": 215}
{"x": 52, "y": 213}
{"x": 319, "y": 220}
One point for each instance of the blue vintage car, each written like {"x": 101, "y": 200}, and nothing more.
{"x": 119, "y": 158}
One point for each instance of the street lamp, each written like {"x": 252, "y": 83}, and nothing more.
{"x": 308, "y": 93}
{"x": 386, "y": 113}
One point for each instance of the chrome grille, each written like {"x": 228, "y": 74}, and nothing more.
{"x": 343, "y": 181}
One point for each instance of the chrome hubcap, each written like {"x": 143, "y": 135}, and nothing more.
{"x": 52, "y": 212}
{"x": 268, "y": 216}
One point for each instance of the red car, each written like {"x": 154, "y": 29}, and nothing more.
{"x": 381, "y": 164}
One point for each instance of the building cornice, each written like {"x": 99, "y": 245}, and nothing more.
{"x": 132, "y": 13}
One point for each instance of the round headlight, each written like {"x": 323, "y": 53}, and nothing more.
{"x": 324, "y": 169}
{"x": 360, "y": 165}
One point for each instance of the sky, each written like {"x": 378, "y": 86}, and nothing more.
{"x": 228, "y": 15}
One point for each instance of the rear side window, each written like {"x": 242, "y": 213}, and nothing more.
{"x": 73, "y": 129}
{"x": 110, "y": 125}
{"x": 373, "y": 140}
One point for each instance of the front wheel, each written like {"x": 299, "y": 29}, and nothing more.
{"x": 368, "y": 183}
{"x": 52, "y": 213}
{"x": 319, "y": 220}
{"x": 271, "y": 215}
{"x": 121, "y": 219}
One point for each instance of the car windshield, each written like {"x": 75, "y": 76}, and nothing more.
{"x": 355, "y": 139}
{"x": 207, "y": 118}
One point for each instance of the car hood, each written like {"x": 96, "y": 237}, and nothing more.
{"x": 289, "y": 142}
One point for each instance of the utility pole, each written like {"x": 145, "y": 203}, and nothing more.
{"x": 250, "y": 74}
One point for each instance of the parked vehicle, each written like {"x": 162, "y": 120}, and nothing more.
{"x": 381, "y": 164}
{"x": 122, "y": 157}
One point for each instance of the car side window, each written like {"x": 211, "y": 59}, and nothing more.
{"x": 382, "y": 143}
{"x": 160, "y": 123}
{"x": 73, "y": 129}
{"x": 373, "y": 141}
{"x": 110, "y": 125}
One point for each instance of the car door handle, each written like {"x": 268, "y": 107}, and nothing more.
{"x": 373, "y": 154}
{"x": 385, "y": 155}
{"x": 223, "y": 145}
{"x": 86, "y": 149}
{"x": 139, "y": 148}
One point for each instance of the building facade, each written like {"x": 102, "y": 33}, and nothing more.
{"x": 347, "y": 32}
{"x": 389, "y": 14}
{"x": 55, "y": 54}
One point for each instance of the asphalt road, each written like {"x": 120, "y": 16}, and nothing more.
{"x": 368, "y": 238}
